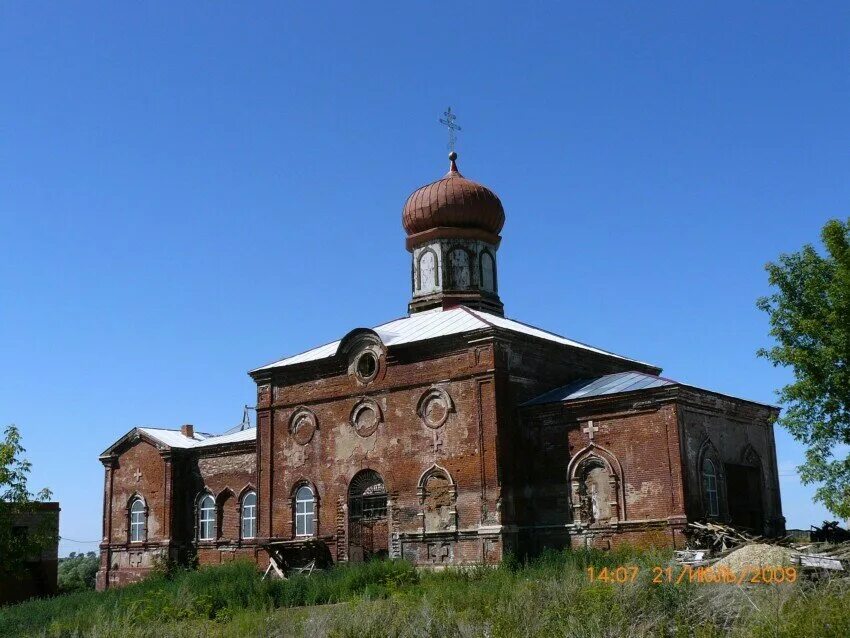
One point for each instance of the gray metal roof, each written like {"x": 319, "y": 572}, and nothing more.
{"x": 599, "y": 386}
{"x": 438, "y": 323}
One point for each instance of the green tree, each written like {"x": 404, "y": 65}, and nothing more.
{"x": 18, "y": 543}
{"x": 810, "y": 321}
{"x": 78, "y": 572}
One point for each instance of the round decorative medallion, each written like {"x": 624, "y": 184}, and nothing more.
{"x": 303, "y": 426}
{"x": 434, "y": 407}
{"x": 366, "y": 417}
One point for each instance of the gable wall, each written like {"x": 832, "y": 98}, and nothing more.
{"x": 170, "y": 482}
{"x": 400, "y": 450}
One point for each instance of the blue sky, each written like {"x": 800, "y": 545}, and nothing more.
{"x": 189, "y": 191}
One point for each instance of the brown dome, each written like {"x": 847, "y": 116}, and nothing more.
{"x": 454, "y": 202}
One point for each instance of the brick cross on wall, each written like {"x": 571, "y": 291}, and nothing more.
{"x": 590, "y": 429}
{"x": 137, "y": 475}
{"x": 438, "y": 442}
{"x": 438, "y": 552}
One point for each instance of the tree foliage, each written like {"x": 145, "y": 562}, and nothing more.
{"x": 20, "y": 543}
{"x": 78, "y": 572}
{"x": 810, "y": 321}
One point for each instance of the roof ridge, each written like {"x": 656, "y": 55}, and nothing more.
{"x": 474, "y": 313}
{"x": 576, "y": 341}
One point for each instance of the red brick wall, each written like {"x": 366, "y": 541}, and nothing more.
{"x": 400, "y": 450}
{"x": 737, "y": 432}
{"x": 145, "y": 458}
{"x": 644, "y": 446}
{"x": 170, "y": 483}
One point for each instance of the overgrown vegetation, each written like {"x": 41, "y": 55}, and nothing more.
{"x": 548, "y": 597}
{"x": 77, "y": 572}
{"x": 20, "y": 539}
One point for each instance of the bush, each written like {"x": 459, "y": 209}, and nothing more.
{"x": 77, "y": 572}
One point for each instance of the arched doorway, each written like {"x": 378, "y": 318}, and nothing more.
{"x": 368, "y": 533}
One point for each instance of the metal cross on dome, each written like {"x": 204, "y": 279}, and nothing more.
{"x": 449, "y": 122}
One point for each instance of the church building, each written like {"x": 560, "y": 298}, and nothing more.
{"x": 451, "y": 436}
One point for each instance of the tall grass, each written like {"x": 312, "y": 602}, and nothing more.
{"x": 547, "y": 597}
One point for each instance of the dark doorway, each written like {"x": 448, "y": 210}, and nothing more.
{"x": 368, "y": 533}
{"x": 744, "y": 494}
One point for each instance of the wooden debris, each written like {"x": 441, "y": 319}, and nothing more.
{"x": 717, "y": 537}
{"x": 820, "y": 562}
{"x": 722, "y": 540}
{"x": 830, "y": 532}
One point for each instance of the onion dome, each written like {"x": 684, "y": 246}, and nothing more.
{"x": 453, "y": 207}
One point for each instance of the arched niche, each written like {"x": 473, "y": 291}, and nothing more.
{"x": 438, "y": 500}
{"x": 597, "y": 496}
{"x": 427, "y": 271}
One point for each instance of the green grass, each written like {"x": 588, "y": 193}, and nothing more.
{"x": 548, "y": 597}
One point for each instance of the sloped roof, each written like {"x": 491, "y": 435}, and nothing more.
{"x": 176, "y": 439}
{"x": 439, "y": 323}
{"x": 600, "y": 386}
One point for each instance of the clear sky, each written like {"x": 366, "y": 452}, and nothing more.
{"x": 190, "y": 191}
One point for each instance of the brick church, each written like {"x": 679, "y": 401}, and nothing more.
{"x": 450, "y": 436}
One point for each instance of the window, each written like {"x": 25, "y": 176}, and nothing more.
{"x": 709, "y": 482}
{"x": 366, "y": 366}
{"x": 305, "y": 509}
{"x": 249, "y": 515}
{"x": 206, "y": 519}
{"x": 137, "y": 520}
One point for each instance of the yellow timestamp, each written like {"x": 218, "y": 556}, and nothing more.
{"x": 703, "y": 575}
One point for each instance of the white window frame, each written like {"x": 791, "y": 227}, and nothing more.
{"x": 305, "y": 511}
{"x": 709, "y": 484}
{"x": 249, "y": 515}
{"x": 207, "y": 512}
{"x": 138, "y": 520}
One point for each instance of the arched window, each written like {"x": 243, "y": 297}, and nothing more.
{"x": 206, "y": 518}
{"x": 305, "y": 511}
{"x": 249, "y": 515}
{"x": 138, "y": 520}
{"x": 709, "y": 483}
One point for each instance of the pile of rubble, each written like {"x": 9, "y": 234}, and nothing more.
{"x": 710, "y": 543}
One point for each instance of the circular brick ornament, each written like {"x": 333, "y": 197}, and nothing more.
{"x": 366, "y": 416}
{"x": 303, "y": 425}
{"x": 434, "y": 407}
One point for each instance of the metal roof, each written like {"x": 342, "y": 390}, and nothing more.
{"x": 600, "y": 386}
{"x": 439, "y": 323}
{"x": 176, "y": 439}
